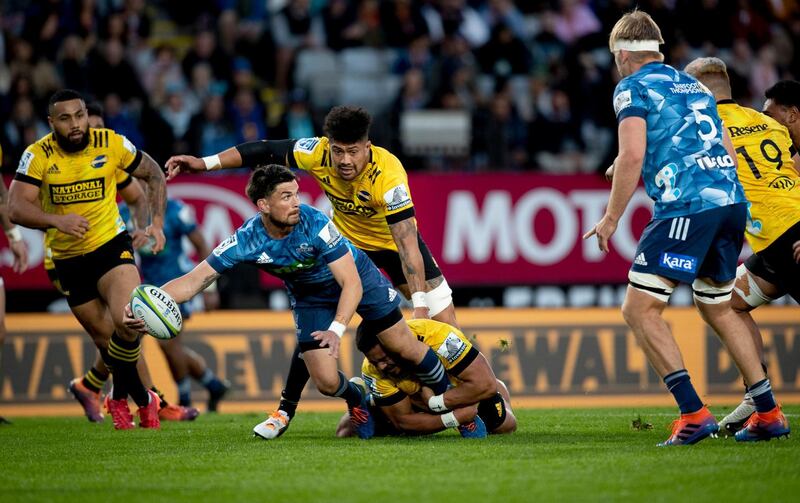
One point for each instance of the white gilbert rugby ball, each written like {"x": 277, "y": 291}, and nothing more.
{"x": 158, "y": 310}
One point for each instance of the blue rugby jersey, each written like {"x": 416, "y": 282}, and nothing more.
{"x": 300, "y": 259}
{"x": 686, "y": 168}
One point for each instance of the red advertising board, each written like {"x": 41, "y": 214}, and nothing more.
{"x": 484, "y": 229}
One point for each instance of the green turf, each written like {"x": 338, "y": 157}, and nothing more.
{"x": 555, "y": 455}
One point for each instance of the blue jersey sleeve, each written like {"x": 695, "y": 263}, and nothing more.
{"x": 225, "y": 255}
{"x": 630, "y": 100}
{"x": 328, "y": 240}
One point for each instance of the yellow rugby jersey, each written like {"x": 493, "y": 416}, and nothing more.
{"x": 454, "y": 350}
{"x": 123, "y": 180}
{"x": 83, "y": 183}
{"x": 364, "y": 207}
{"x": 764, "y": 150}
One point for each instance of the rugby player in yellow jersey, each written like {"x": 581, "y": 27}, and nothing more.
{"x": 766, "y": 170}
{"x": 66, "y": 184}
{"x": 372, "y": 207}
{"x": 86, "y": 390}
{"x": 399, "y": 402}
{"x": 20, "y": 251}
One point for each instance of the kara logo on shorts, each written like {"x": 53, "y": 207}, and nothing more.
{"x": 78, "y": 192}
{"x": 683, "y": 263}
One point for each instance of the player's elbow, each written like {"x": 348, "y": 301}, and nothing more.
{"x": 14, "y": 212}
{"x": 486, "y": 388}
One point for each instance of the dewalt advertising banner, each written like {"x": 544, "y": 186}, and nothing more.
{"x": 548, "y": 358}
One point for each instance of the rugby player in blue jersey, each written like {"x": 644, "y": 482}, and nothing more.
{"x": 670, "y": 133}
{"x": 328, "y": 280}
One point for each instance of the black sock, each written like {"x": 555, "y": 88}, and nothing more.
{"x": 94, "y": 379}
{"x": 295, "y": 382}
{"x": 349, "y": 391}
{"x": 123, "y": 356}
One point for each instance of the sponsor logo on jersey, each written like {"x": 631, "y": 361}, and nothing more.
{"x": 350, "y": 207}
{"x": 690, "y": 88}
{"x": 306, "y": 248}
{"x": 330, "y": 234}
{"x": 78, "y": 192}
{"x": 720, "y": 161}
{"x": 452, "y": 347}
{"x": 782, "y": 182}
{"x": 53, "y": 170}
{"x": 264, "y": 259}
{"x": 229, "y": 242}
{"x": 130, "y": 147}
{"x": 622, "y": 101}
{"x": 396, "y": 197}
{"x": 25, "y": 162}
{"x": 745, "y": 130}
{"x": 676, "y": 262}
{"x": 363, "y": 195}
{"x": 99, "y": 161}
{"x": 306, "y": 145}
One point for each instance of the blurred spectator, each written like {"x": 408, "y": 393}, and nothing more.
{"x": 23, "y": 129}
{"x": 504, "y": 54}
{"x": 294, "y": 27}
{"x": 204, "y": 50}
{"x": 402, "y": 22}
{"x": 500, "y": 135}
{"x": 73, "y": 65}
{"x": 247, "y": 115}
{"x": 110, "y": 72}
{"x": 497, "y": 12}
{"x": 343, "y": 28}
{"x": 176, "y": 112}
{"x": 119, "y": 118}
{"x": 575, "y": 20}
{"x": 210, "y": 131}
{"x": 455, "y": 17}
{"x": 297, "y": 121}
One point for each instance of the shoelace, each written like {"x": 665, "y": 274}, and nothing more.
{"x": 278, "y": 417}
{"x": 358, "y": 415}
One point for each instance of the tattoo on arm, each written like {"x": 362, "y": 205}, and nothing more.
{"x": 151, "y": 174}
{"x": 405, "y": 236}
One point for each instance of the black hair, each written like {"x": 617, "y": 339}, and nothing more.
{"x": 94, "y": 108}
{"x": 264, "y": 179}
{"x": 785, "y": 92}
{"x": 63, "y": 95}
{"x": 347, "y": 124}
{"x": 366, "y": 339}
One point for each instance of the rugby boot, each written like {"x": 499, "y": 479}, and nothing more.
{"x": 692, "y": 428}
{"x": 764, "y": 426}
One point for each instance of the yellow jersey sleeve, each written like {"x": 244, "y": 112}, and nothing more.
{"x": 308, "y": 153}
{"x": 121, "y": 150}
{"x": 452, "y": 347}
{"x": 391, "y": 193}
{"x": 32, "y": 165}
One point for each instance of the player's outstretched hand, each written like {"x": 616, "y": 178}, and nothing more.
{"x": 604, "y": 229}
{"x": 139, "y": 238}
{"x": 20, "y": 251}
{"x": 73, "y": 224}
{"x": 185, "y": 163}
{"x": 328, "y": 339}
{"x": 157, "y": 234}
{"x": 132, "y": 323}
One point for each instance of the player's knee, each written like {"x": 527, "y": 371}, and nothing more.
{"x": 748, "y": 294}
{"x": 509, "y": 425}
{"x": 706, "y": 293}
{"x": 439, "y": 298}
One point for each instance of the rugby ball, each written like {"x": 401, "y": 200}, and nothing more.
{"x": 160, "y": 313}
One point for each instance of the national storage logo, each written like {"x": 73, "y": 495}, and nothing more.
{"x": 78, "y": 192}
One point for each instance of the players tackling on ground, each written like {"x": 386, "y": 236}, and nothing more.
{"x": 671, "y": 135}
{"x": 372, "y": 206}
{"x": 400, "y": 402}
{"x": 767, "y": 173}
{"x": 328, "y": 280}
{"x": 66, "y": 184}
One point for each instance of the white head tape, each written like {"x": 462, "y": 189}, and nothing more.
{"x": 636, "y": 45}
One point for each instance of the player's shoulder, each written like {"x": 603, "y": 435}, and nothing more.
{"x": 44, "y": 145}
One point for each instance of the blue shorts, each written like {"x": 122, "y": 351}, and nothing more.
{"x": 701, "y": 245}
{"x": 380, "y": 303}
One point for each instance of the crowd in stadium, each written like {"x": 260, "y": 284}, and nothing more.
{"x": 534, "y": 76}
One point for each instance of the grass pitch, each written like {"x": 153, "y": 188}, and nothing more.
{"x": 556, "y": 455}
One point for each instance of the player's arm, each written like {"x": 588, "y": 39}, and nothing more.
{"x": 210, "y": 293}
{"x": 182, "y": 289}
{"x": 135, "y": 199}
{"x": 152, "y": 176}
{"x": 477, "y": 382}
{"x": 627, "y": 170}
{"x": 24, "y": 208}
{"x": 346, "y": 275}
{"x": 403, "y": 417}
{"x": 18, "y": 247}
{"x": 254, "y": 153}
{"x": 405, "y": 237}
